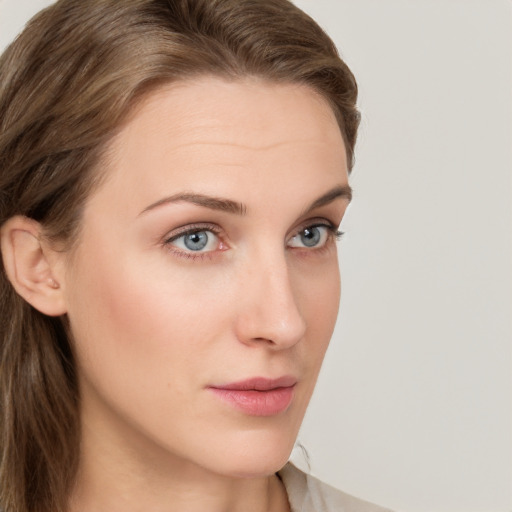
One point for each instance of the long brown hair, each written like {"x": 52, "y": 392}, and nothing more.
{"x": 66, "y": 84}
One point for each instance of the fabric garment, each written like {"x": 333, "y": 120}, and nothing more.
{"x": 308, "y": 494}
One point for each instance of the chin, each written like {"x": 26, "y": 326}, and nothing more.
{"x": 255, "y": 454}
{"x": 256, "y": 467}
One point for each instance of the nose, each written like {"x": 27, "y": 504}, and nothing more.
{"x": 268, "y": 310}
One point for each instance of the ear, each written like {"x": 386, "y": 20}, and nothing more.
{"x": 32, "y": 266}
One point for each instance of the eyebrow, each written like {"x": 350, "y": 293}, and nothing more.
{"x": 213, "y": 203}
{"x": 342, "y": 191}
{"x": 229, "y": 206}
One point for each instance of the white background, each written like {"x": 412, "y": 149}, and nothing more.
{"x": 413, "y": 408}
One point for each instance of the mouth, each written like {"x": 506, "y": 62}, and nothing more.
{"x": 258, "y": 396}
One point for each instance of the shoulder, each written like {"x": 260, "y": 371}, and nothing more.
{"x": 308, "y": 494}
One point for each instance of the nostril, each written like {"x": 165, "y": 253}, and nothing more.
{"x": 273, "y": 326}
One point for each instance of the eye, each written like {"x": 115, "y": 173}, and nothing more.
{"x": 312, "y": 236}
{"x": 198, "y": 240}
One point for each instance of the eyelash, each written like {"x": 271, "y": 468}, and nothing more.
{"x": 333, "y": 233}
{"x": 189, "y": 230}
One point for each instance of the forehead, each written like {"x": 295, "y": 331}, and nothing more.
{"x": 252, "y": 113}
{"x": 208, "y": 132}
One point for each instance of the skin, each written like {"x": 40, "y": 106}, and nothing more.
{"x": 155, "y": 324}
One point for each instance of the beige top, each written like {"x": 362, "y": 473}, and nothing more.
{"x": 308, "y": 494}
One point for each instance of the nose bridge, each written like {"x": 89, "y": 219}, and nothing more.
{"x": 271, "y": 310}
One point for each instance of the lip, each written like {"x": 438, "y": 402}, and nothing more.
{"x": 258, "y": 396}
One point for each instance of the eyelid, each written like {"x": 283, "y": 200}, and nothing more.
{"x": 316, "y": 222}
{"x": 189, "y": 229}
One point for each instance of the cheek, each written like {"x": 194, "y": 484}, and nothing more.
{"x": 144, "y": 347}
{"x": 318, "y": 296}
{"x": 143, "y": 318}
{"x": 317, "y": 291}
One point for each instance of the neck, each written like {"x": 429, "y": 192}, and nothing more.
{"x": 261, "y": 495}
{"x": 114, "y": 477}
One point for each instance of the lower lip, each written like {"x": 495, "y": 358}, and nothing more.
{"x": 257, "y": 403}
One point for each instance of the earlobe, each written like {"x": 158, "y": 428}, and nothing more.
{"x": 31, "y": 265}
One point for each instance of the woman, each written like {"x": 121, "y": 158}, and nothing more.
{"x": 172, "y": 177}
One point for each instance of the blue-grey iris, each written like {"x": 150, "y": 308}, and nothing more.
{"x": 310, "y": 236}
{"x": 196, "y": 241}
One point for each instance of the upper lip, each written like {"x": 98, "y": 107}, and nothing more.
{"x": 259, "y": 384}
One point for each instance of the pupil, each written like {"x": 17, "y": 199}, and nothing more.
{"x": 310, "y": 237}
{"x": 196, "y": 241}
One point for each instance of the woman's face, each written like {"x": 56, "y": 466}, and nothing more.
{"x": 204, "y": 288}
